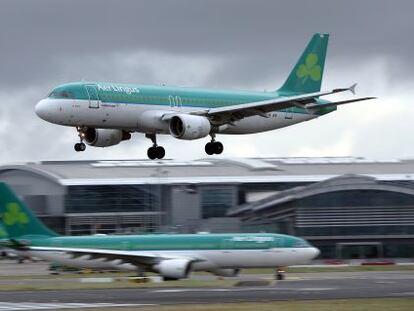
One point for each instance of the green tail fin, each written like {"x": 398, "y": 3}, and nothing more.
{"x": 17, "y": 219}
{"x": 306, "y": 76}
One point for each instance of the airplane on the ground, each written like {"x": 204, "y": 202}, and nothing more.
{"x": 173, "y": 256}
{"x": 105, "y": 114}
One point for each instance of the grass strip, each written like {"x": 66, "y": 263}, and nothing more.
{"x": 368, "y": 304}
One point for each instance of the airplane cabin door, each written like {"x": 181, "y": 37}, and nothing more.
{"x": 93, "y": 96}
{"x": 175, "y": 102}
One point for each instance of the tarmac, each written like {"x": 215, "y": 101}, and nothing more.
{"x": 297, "y": 286}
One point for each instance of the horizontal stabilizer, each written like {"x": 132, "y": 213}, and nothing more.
{"x": 333, "y": 104}
{"x": 244, "y": 110}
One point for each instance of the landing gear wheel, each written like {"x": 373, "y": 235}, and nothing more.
{"x": 80, "y": 147}
{"x": 218, "y": 147}
{"x": 209, "y": 148}
{"x": 151, "y": 153}
{"x": 156, "y": 152}
{"x": 214, "y": 147}
{"x": 160, "y": 152}
{"x": 280, "y": 276}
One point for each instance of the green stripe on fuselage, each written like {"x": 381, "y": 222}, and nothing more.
{"x": 165, "y": 95}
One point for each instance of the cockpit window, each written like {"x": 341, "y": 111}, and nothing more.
{"x": 301, "y": 243}
{"x": 61, "y": 94}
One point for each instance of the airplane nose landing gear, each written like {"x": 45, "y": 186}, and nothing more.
{"x": 155, "y": 152}
{"x": 80, "y": 146}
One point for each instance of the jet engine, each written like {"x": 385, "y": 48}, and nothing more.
{"x": 174, "y": 268}
{"x": 105, "y": 137}
{"x": 188, "y": 127}
{"x": 226, "y": 272}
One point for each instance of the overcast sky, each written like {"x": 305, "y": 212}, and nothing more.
{"x": 248, "y": 45}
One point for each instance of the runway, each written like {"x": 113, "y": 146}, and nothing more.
{"x": 301, "y": 286}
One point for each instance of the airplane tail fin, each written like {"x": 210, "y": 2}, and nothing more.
{"x": 306, "y": 76}
{"x": 17, "y": 220}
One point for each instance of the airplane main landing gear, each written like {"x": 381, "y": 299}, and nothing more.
{"x": 155, "y": 152}
{"x": 214, "y": 147}
{"x": 280, "y": 274}
{"x": 80, "y": 146}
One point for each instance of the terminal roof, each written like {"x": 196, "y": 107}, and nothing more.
{"x": 215, "y": 170}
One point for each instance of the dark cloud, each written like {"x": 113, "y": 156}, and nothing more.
{"x": 254, "y": 37}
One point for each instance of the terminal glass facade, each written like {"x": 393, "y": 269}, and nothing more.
{"x": 113, "y": 209}
{"x": 362, "y": 212}
{"x": 346, "y": 224}
{"x": 112, "y": 198}
{"x": 216, "y": 201}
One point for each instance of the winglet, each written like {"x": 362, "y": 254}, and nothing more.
{"x": 352, "y": 88}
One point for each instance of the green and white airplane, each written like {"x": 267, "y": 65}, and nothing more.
{"x": 173, "y": 256}
{"x": 105, "y": 114}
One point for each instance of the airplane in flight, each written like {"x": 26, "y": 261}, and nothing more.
{"x": 106, "y": 114}
{"x": 173, "y": 256}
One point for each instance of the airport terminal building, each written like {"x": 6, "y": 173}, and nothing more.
{"x": 348, "y": 207}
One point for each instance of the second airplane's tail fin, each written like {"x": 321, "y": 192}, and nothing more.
{"x": 306, "y": 76}
{"x": 17, "y": 219}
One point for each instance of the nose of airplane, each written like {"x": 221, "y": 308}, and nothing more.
{"x": 41, "y": 109}
{"x": 315, "y": 252}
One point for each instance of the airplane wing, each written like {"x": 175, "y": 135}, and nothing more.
{"x": 305, "y": 101}
{"x": 132, "y": 257}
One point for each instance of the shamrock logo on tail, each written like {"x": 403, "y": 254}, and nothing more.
{"x": 310, "y": 69}
{"x": 14, "y": 216}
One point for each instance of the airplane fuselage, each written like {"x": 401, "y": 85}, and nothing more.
{"x": 138, "y": 108}
{"x": 212, "y": 251}
{"x": 213, "y": 259}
